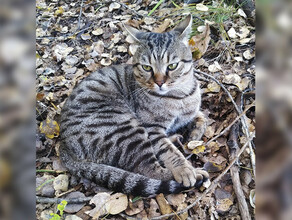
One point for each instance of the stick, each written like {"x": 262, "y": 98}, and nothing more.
{"x": 80, "y": 14}
{"x": 243, "y": 121}
{"x": 232, "y": 123}
{"x": 40, "y": 199}
{"x": 234, "y": 171}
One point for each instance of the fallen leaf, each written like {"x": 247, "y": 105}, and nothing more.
{"x": 213, "y": 87}
{"x": 149, "y": 20}
{"x": 118, "y": 202}
{"x": 161, "y": 28}
{"x": 163, "y": 204}
{"x": 85, "y": 36}
{"x": 114, "y": 6}
{"x": 50, "y": 128}
{"x": 122, "y": 49}
{"x": 135, "y": 207}
{"x": 223, "y": 205}
{"x": 176, "y": 199}
{"x": 212, "y": 167}
{"x": 215, "y": 67}
{"x": 199, "y": 149}
{"x": 153, "y": 209}
{"x": 201, "y": 7}
{"x": 231, "y": 79}
{"x": 241, "y": 13}
{"x": 199, "y": 43}
{"x": 97, "y": 32}
{"x": 252, "y": 198}
{"x": 193, "y": 144}
{"x": 59, "y": 11}
{"x": 99, "y": 200}
{"x": 232, "y": 33}
{"x": 248, "y": 54}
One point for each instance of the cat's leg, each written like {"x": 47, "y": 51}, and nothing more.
{"x": 199, "y": 126}
{"x": 173, "y": 159}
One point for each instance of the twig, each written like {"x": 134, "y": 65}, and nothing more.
{"x": 213, "y": 185}
{"x": 234, "y": 171}
{"x": 232, "y": 123}
{"x": 243, "y": 120}
{"x": 80, "y": 14}
{"x": 58, "y": 200}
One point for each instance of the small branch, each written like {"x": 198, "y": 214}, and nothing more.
{"x": 80, "y": 14}
{"x": 58, "y": 200}
{"x": 243, "y": 120}
{"x": 232, "y": 123}
{"x": 234, "y": 171}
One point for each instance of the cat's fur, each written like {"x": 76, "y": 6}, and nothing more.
{"x": 116, "y": 122}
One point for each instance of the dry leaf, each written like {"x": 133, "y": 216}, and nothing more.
{"x": 99, "y": 200}
{"x": 149, "y": 20}
{"x": 200, "y": 42}
{"x": 232, "y": 33}
{"x": 248, "y": 55}
{"x": 61, "y": 183}
{"x": 176, "y": 199}
{"x": 50, "y": 128}
{"x": 223, "y": 205}
{"x": 231, "y": 79}
{"x": 135, "y": 207}
{"x": 215, "y": 67}
{"x": 118, "y": 202}
{"x": 85, "y": 36}
{"x": 201, "y": 7}
{"x": 193, "y": 144}
{"x": 154, "y": 209}
{"x": 161, "y": 28}
{"x": 59, "y": 11}
{"x": 241, "y": 13}
{"x": 199, "y": 149}
{"x": 97, "y": 32}
{"x": 213, "y": 87}
{"x": 114, "y": 6}
{"x": 163, "y": 204}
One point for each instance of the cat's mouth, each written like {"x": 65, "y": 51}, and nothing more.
{"x": 162, "y": 90}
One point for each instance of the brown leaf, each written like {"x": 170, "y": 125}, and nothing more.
{"x": 154, "y": 209}
{"x": 135, "y": 207}
{"x": 161, "y": 28}
{"x": 118, "y": 202}
{"x": 176, "y": 199}
{"x": 199, "y": 43}
{"x": 163, "y": 204}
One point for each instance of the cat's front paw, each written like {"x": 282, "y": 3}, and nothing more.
{"x": 189, "y": 176}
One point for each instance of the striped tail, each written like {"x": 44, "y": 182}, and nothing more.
{"x": 120, "y": 180}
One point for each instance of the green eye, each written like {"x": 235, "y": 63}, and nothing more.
{"x": 172, "y": 66}
{"x": 147, "y": 68}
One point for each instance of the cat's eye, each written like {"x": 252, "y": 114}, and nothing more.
{"x": 172, "y": 66}
{"x": 147, "y": 68}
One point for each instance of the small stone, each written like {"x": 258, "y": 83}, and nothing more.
{"x": 72, "y": 217}
{"x": 97, "y": 32}
{"x": 122, "y": 49}
{"x": 114, "y": 6}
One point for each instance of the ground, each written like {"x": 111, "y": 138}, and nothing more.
{"x": 76, "y": 38}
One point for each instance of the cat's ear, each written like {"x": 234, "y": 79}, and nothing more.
{"x": 134, "y": 33}
{"x": 184, "y": 28}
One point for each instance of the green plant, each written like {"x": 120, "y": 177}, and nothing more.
{"x": 60, "y": 208}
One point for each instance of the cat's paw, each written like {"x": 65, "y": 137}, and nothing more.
{"x": 189, "y": 176}
{"x": 200, "y": 126}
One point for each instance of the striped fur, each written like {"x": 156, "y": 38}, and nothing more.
{"x": 115, "y": 124}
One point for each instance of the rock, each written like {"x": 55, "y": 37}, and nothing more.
{"x": 72, "y": 217}
{"x": 47, "y": 189}
{"x": 73, "y": 208}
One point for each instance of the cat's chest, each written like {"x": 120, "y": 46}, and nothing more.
{"x": 168, "y": 111}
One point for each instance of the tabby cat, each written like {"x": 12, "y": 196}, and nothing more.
{"x": 115, "y": 125}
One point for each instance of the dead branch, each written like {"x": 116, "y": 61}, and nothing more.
{"x": 234, "y": 171}
{"x": 80, "y": 14}
{"x": 232, "y": 123}
{"x": 243, "y": 120}
{"x": 40, "y": 199}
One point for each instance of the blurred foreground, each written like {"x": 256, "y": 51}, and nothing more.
{"x": 274, "y": 105}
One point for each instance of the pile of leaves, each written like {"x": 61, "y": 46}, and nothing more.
{"x": 76, "y": 38}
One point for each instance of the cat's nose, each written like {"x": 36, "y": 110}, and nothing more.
{"x": 159, "y": 83}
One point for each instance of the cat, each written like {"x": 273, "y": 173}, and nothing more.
{"x": 115, "y": 125}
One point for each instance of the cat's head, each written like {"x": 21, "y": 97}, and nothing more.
{"x": 163, "y": 61}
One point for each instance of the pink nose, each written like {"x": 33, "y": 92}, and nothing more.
{"x": 159, "y": 83}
